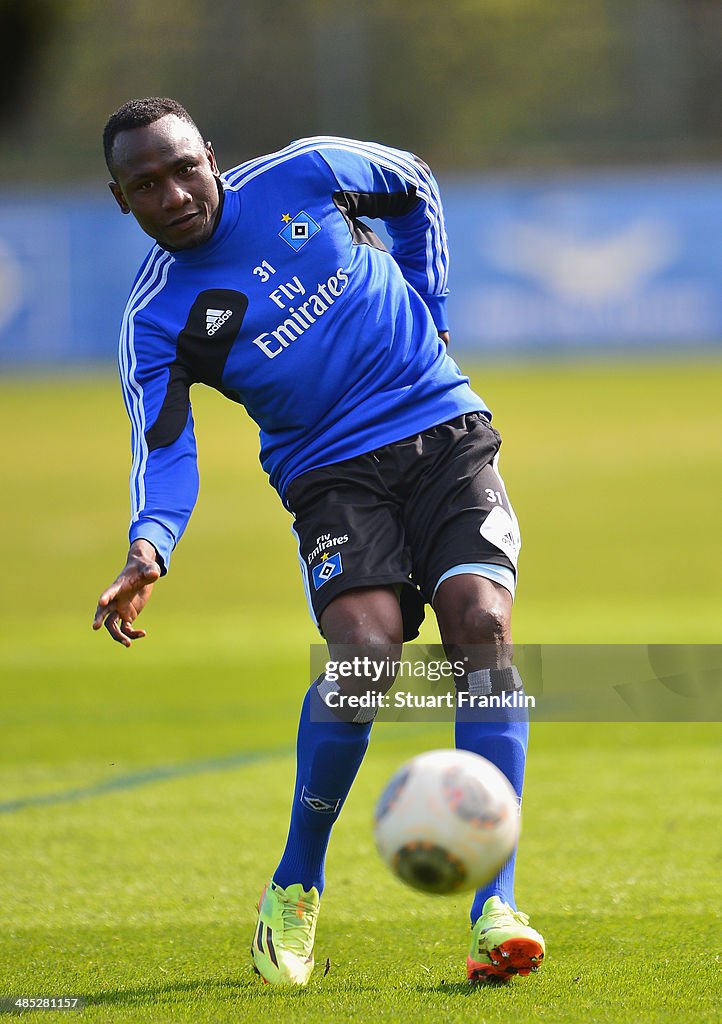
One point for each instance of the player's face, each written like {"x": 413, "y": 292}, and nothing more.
{"x": 167, "y": 178}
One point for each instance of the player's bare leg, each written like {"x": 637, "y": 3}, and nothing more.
{"x": 474, "y": 615}
{"x": 366, "y": 616}
{"x": 474, "y": 611}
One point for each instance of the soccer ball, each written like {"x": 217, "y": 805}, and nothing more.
{"x": 447, "y": 821}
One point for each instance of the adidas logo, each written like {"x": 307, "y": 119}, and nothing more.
{"x": 215, "y": 318}
{"x": 508, "y": 539}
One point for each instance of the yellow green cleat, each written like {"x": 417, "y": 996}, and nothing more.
{"x": 282, "y": 947}
{"x": 502, "y": 944}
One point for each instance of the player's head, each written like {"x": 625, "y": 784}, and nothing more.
{"x": 163, "y": 171}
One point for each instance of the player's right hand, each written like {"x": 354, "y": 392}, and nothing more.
{"x": 123, "y": 601}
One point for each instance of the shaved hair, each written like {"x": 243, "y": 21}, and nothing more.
{"x": 138, "y": 114}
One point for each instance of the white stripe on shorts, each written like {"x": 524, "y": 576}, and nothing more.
{"x": 498, "y": 573}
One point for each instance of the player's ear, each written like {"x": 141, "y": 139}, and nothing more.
{"x": 118, "y": 196}
{"x": 212, "y": 159}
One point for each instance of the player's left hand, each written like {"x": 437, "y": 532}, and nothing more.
{"x": 444, "y": 335}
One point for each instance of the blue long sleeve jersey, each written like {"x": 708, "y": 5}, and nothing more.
{"x": 296, "y": 310}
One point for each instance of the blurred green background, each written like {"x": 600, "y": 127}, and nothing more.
{"x": 467, "y": 83}
{"x": 614, "y": 492}
{"x": 144, "y": 792}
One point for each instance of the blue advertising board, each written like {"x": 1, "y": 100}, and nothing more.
{"x": 66, "y": 267}
{"x": 595, "y": 261}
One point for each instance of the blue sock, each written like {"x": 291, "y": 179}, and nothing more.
{"x": 504, "y": 743}
{"x": 329, "y": 753}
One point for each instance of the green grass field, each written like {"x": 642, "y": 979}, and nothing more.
{"x": 144, "y": 793}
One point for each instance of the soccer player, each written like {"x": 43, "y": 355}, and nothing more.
{"x": 266, "y": 284}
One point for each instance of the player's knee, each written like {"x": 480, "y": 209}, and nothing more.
{"x": 482, "y": 623}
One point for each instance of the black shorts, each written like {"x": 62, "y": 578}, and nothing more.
{"x": 404, "y": 513}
